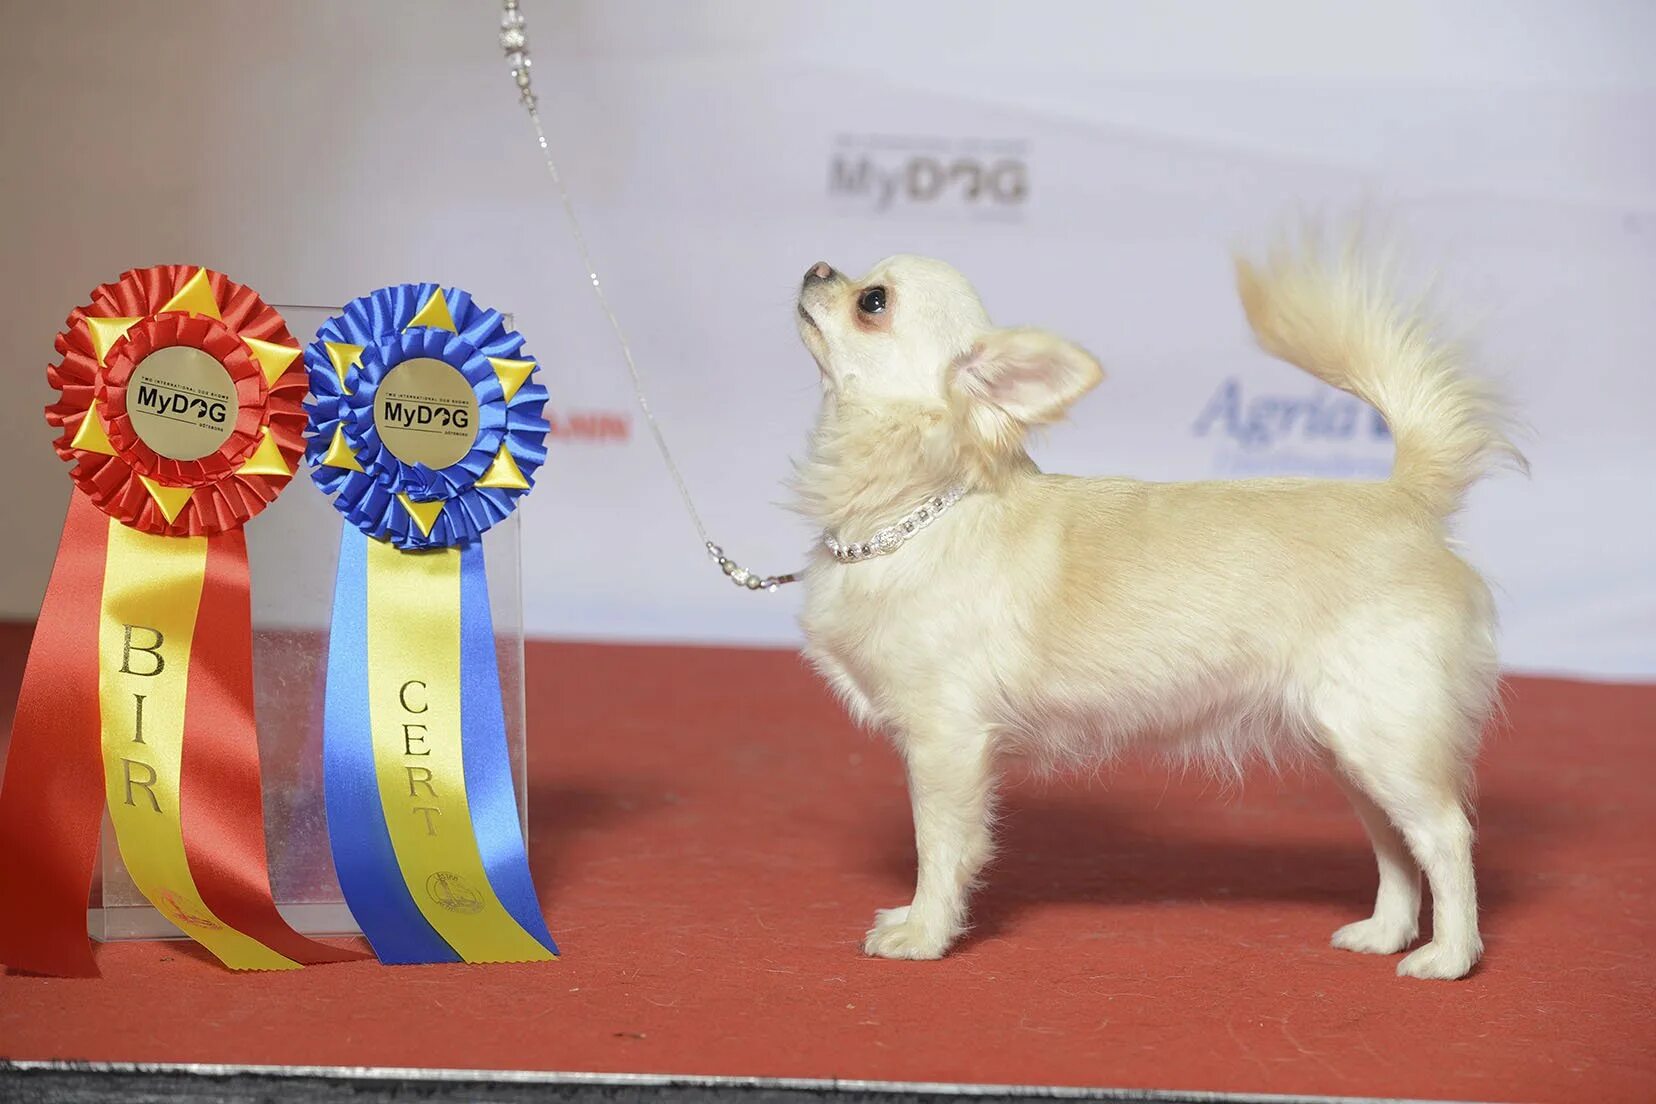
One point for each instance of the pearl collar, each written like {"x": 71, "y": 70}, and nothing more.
{"x": 887, "y": 540}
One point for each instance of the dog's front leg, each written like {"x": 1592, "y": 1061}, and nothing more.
{"x": 951, "y": 783}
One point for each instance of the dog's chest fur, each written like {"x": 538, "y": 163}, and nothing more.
{"x": 885, "y": 631}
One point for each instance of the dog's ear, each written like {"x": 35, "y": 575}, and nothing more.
{"x": 1031, "y": 374}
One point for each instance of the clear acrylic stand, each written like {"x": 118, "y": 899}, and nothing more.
{"x": 293, "y": 548}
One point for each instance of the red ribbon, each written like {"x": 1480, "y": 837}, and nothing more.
{"x": 51, "y": 805}
{"x": 51, "y": 802}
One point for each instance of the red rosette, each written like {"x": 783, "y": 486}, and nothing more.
{"x": 153, "y": 309}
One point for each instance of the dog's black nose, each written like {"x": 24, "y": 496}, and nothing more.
{"x": 819, "y": 271}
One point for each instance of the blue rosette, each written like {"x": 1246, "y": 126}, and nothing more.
{"x": 426, "y": 428}
{"x": 349, "y": 361}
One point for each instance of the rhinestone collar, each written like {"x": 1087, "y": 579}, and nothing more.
{"x": 894, "y": 536}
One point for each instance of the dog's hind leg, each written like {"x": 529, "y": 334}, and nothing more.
{"x": 1396, "y": 919}
{"x": 1440, "y": 835}
{"x": 1436, "y": 828}
{"x": 951, "y": 788}
{"x": 1408, "y": 755}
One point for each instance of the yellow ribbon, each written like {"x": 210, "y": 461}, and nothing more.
{"x": 414, "y": 713}
{"x": 151, "y": 591}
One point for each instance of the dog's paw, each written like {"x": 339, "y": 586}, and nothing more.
{"x": 894, "y": 935}
{"x": 1376, "y": 935}
{"x": 891, "y": 917}
{"x": 1439, "y": 961}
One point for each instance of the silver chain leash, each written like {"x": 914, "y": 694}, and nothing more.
{"x": 514, "y": 41}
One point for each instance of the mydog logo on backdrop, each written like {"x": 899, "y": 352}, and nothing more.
{"x": 1319, "y": 432}
{"x": 977, "y": 177}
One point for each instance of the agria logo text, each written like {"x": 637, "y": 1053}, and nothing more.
{"x": 986, "y": 178}
{"x": 1321, "y": 432}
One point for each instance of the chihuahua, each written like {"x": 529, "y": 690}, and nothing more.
{"x": 972, "y": 606}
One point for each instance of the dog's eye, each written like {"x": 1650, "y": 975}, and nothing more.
{"x": 872, "y": 301}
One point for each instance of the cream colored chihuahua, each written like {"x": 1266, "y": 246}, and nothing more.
{"x": 971, "y": 605}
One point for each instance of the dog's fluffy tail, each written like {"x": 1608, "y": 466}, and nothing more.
{"x": 1340, "y": 322}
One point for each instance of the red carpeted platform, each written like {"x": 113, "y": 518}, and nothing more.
{"x": 711, "y": 838}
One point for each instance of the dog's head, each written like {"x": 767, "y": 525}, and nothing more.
{"x": 912, "y": 333}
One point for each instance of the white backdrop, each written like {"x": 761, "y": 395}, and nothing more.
{"x": 318, "y": 150}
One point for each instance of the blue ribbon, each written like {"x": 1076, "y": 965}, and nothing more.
{"x": 374, "y": 888}
{"x": 487, "y": 759}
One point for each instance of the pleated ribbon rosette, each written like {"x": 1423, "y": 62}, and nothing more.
{"x": 426, "y": 427}
{"x": 180, "y": 410}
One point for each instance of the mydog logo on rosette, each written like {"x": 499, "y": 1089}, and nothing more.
{"x": 426, "y": 428}
{"x": 179, "y": 405}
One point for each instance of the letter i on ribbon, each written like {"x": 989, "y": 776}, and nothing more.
{"x": 179, "y": 406}
{"x": 426, "y": 428}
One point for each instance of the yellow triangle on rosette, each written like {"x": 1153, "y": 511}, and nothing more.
{"x": 90, "y": 435}
{"x": 195, "y": 297}
{"x": 273, "y": 358}
{"x": 339, "y": 454}
{"x": 342, "y": 356}
{"x": 434, "y": 314}
{"x": 266, "y": 459}
{"x": 513, "y": 374}
{"x": 423, "y": 513}
{"x": 170, "y": 499}
{"x": 106, "y": 332}
{"x": 504, "y": 473}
